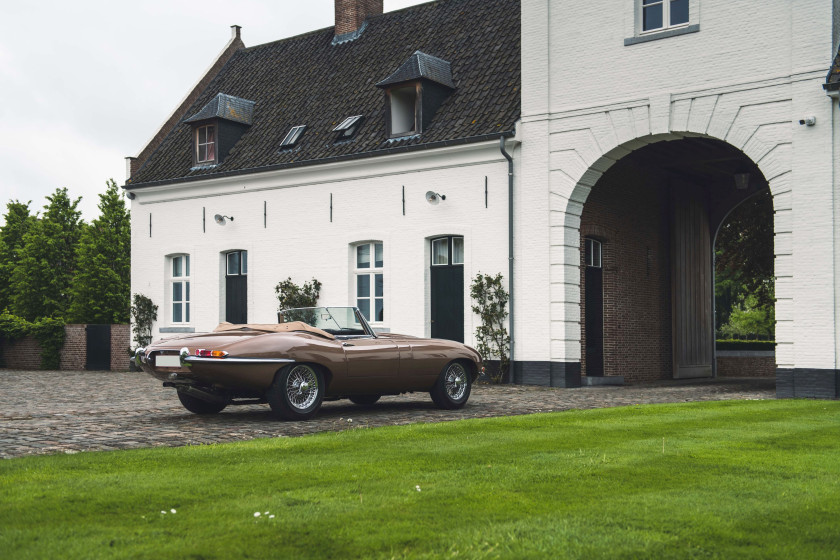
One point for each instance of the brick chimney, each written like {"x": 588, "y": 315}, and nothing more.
{"x": 350, "y": 14}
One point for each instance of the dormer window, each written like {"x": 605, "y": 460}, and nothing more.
{"x": 205, "y": 144}
{"x": 348, "y": 127}
{"x": 414, "y": 92}
{"x": 293, "y": 136}
{"x": 404, "y": 110}
{"x": 217, "y": 127}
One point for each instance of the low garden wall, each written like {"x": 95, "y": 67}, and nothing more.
{"x": 746, "y": 363}
{"x": 25, "y": 353}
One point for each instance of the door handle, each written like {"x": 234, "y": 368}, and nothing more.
{"x": 347, "y": 344}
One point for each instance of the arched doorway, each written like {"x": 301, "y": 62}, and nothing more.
{"x": 655, "y": 213}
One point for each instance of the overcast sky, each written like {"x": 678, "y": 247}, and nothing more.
{"x": 85, "y": 83}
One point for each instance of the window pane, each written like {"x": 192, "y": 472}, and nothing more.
{"x": 379, "y": 313}
{"x": 188, "y": 313}
{"x": 176, "y": 313}
{"x": 363, "y": 256}
{"x": 587, "y": 260}
{"x": 378, "y": 286}
{"x": 176, "y": 267}
{"x": 177, "y": 291}
{"x": 679, "y": 12}
{"x": 364, "y": 307}
{"x": 244, "y": 262}
{"x": 457, "y": 250}
{"x": 363, "y": 285}
{"x": 652, "y": 17}
{"x": 211, "y": 134}
{"x": 378, "y": 255}
{"x": 596, "y": 261}
{"x": 187, "y": 265}
{"x": 202, "y": 135}
{"x": 188, "y": 291}
{"x": 440, "y": 251}
{"x": 233, "y": 264}
{"x": 211, "y": 152}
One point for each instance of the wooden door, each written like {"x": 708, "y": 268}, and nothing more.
{"x": 691, "y": 283}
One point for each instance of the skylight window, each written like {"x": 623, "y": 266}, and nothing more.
{"x": 348, "y": 127}
{"x": 293, "y": 136}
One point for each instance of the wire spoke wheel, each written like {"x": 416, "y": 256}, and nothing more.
{"x": 455, "y": 382}
{"x": 302, "y": 387}
{"x": 452, "y": 388}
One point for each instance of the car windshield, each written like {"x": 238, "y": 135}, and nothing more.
{"x": 334, "y": 320}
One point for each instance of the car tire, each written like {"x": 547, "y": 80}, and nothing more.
{"x": 200, "y": 406}
{"x": 364, "y": 400}
{"x": 297, "y": 392}
{"x": 452, "y": 388}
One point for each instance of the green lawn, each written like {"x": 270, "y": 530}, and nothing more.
{"x": 756, "y": 479}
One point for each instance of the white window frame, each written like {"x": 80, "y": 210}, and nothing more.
{"x": 243, "y": 263}
{"x": 199, "y": 144}
{"x": 634, "y": 22}
{"x": 184, "y": 279}
{"x": 449, "y": 243}
{"x": 666, "y": 16}
{"x": 593, "y": 252}
{"x": 371, "y": 272}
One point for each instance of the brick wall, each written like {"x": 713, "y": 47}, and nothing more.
{"x": 26, "y": 352}
{"x": 74, "y": 352}
{"x": 746, "y": 364}
{"x": 627, "y": 212}
{"x": 22, "y": 354}
{"x": 120, "y": 343}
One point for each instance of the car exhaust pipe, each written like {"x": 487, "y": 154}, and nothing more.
{"x": 197, "y": 393}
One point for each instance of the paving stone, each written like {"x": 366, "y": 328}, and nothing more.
{"x": 71, "y": 411}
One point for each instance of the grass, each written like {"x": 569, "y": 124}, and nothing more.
{"x": 758, "y": 479}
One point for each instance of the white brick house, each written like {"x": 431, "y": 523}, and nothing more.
{"x": 736, "y": 73}
{"x": 675, "y": 96}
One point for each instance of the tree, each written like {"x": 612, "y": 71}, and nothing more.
{"x": 18, "y": 223}
{"x": 101, "y": 291}
{"x": 744, "y": 281}
{"x": 47, "y": 261}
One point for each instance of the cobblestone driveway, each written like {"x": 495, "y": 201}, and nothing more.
{"x": 55, "y": 412}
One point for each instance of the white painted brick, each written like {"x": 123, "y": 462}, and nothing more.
{"x": 679, "y": 114}
{"x": 700, "y": 113}
{"x": 783, "y": 244}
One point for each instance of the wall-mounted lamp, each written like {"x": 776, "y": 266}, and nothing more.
{"x": 222, "y": 220}
{"x": 434, "y": 198}
{"x": 130, "y": 195}
{"x": 742, "y": 181}
{"x": 808, "y": 121}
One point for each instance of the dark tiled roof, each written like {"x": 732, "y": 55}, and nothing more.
{"x": 832, "y": 81}
{"x": 421, "y": 65}
{"x": 306, "y": 80}
{"x": 226, "y": 107}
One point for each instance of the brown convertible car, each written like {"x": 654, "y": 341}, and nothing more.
{"x": 313, "y": 354}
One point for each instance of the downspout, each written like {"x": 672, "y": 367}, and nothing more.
{"x": 510, "y": 248}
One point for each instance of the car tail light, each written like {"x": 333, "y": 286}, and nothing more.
{"x": 203, "y": 353}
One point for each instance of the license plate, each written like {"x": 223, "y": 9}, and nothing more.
{"x": 168, "y": 361}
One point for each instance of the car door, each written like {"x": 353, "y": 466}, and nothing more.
{"x": 371, "y": 357}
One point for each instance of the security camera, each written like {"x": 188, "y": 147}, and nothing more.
{"x": 808, "y": 121}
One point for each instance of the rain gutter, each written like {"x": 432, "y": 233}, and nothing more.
{"x": 510, "y": 248}
{"x": 326, "y": 160}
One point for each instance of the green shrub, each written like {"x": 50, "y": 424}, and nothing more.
{"x": 746, "y": 345}
{"x": 48, "y": 332}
